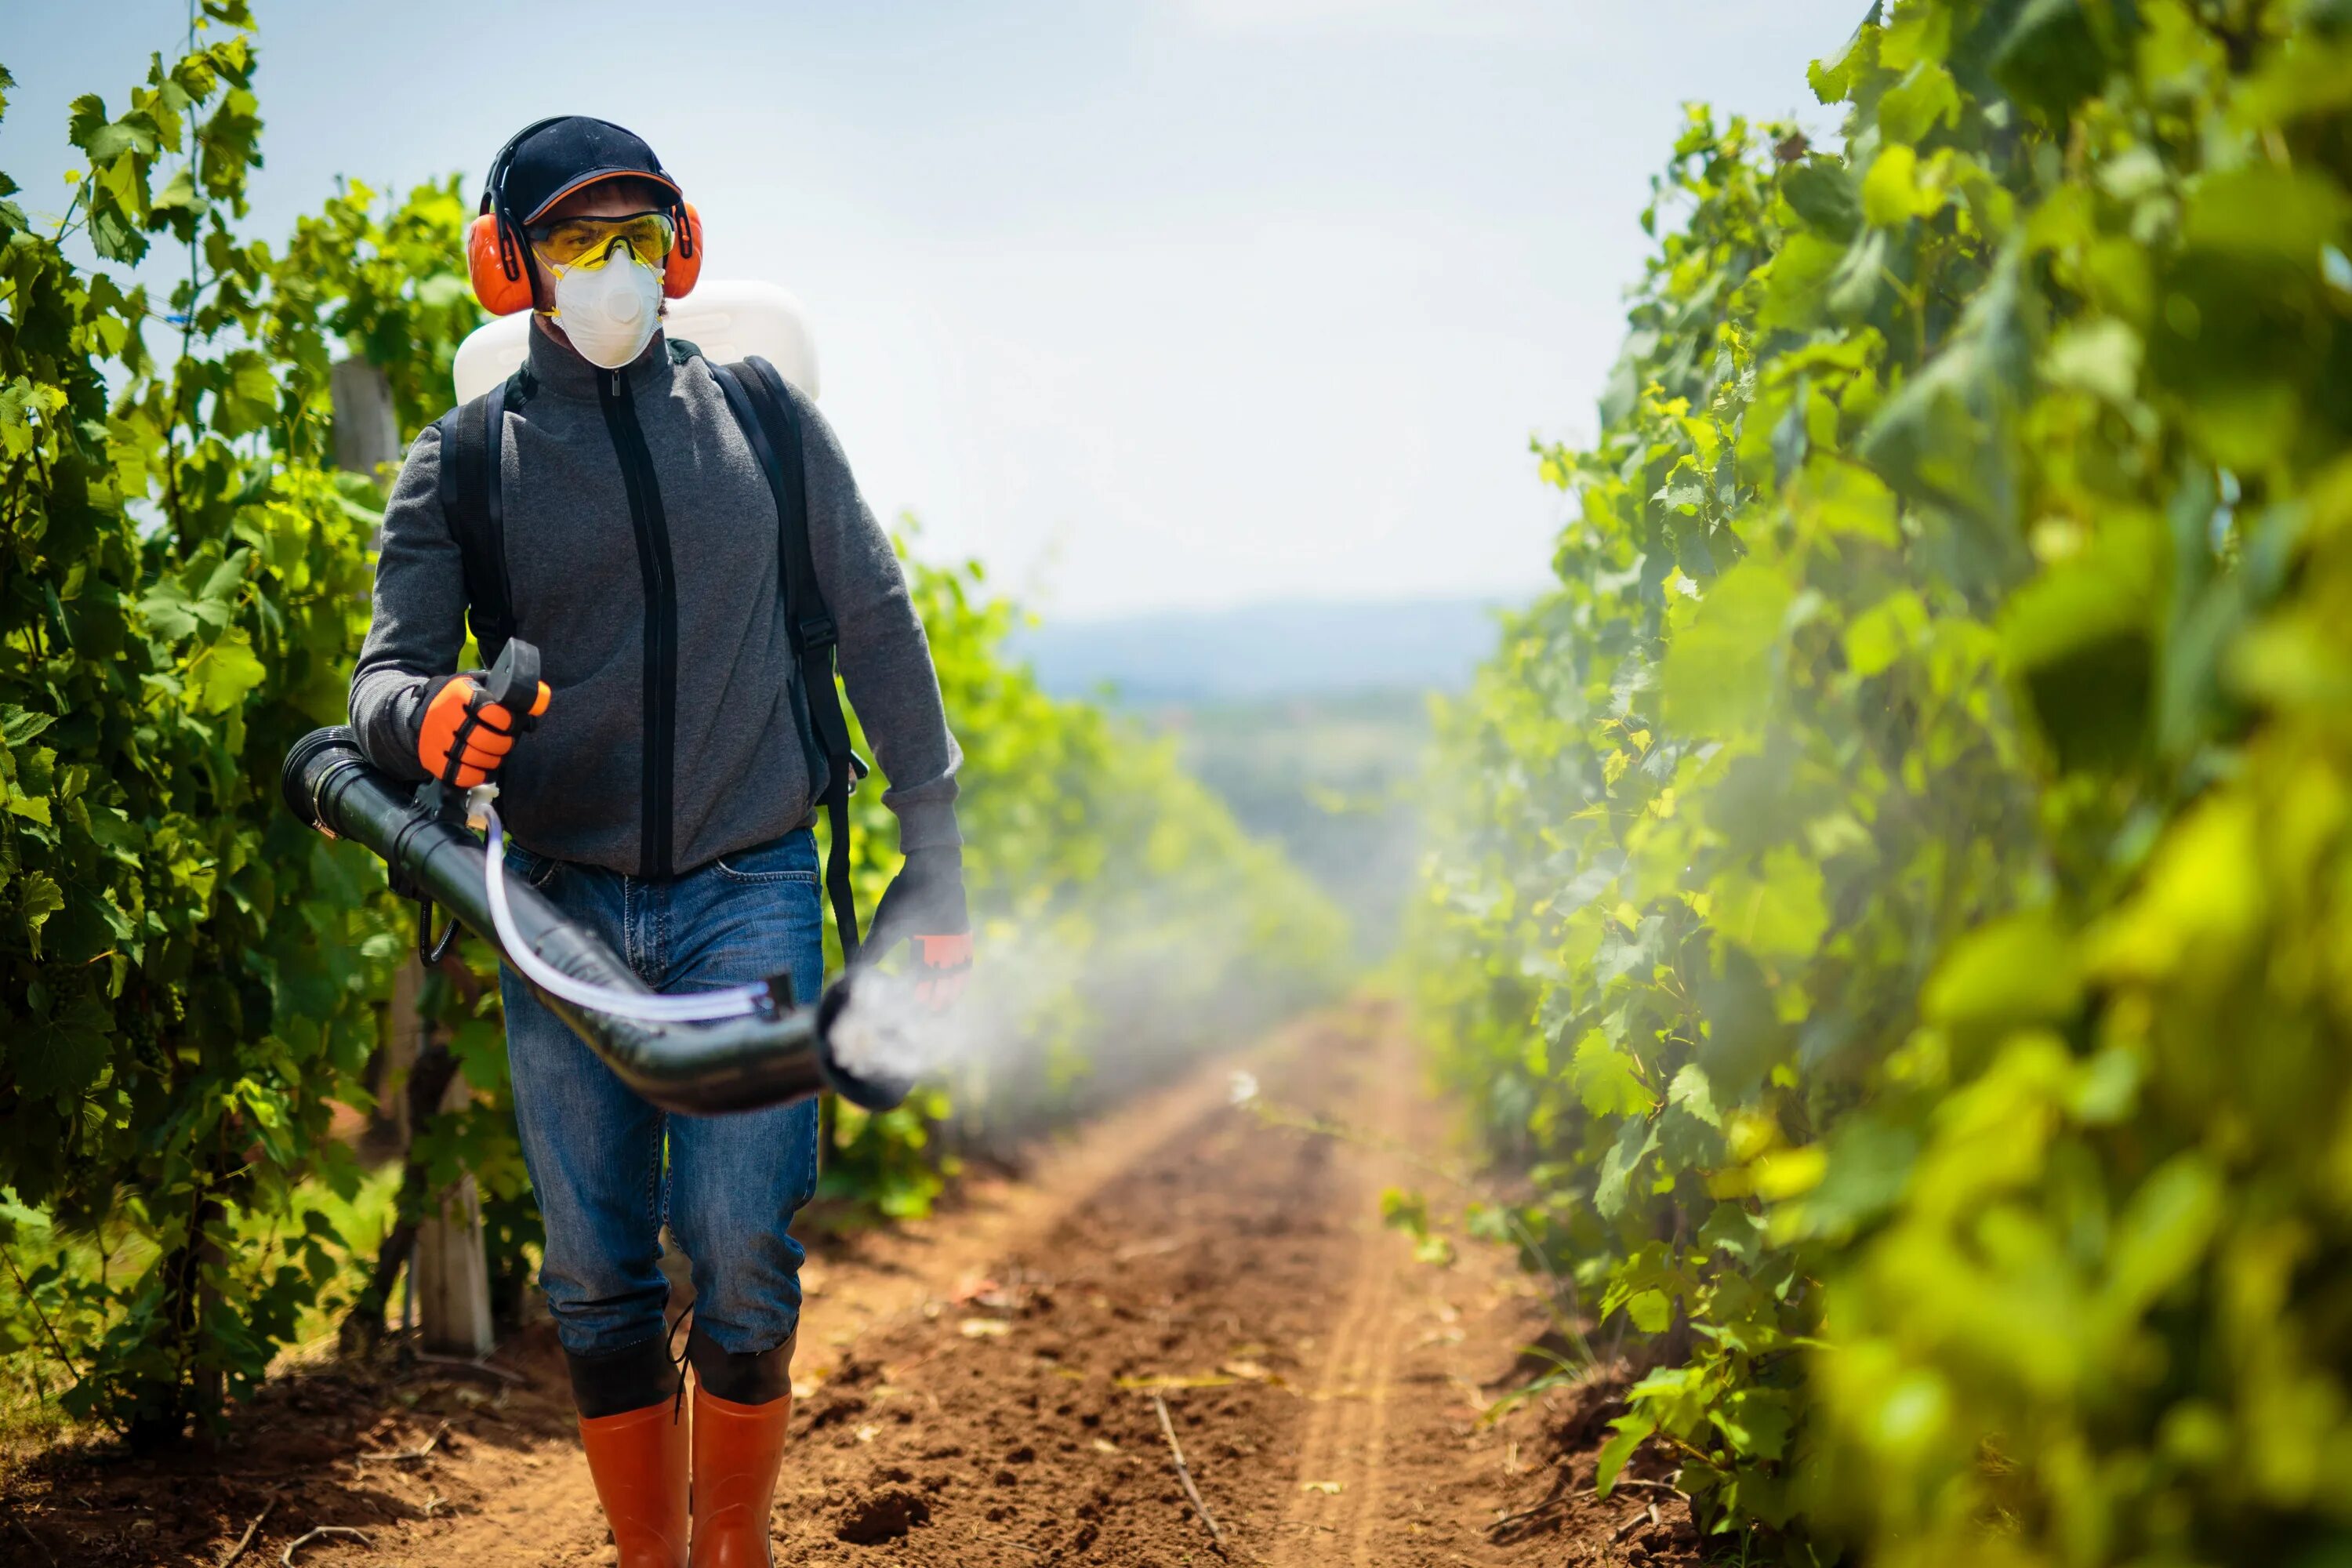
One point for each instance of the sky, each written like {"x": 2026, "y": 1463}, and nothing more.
{"x": 1146, "y": 304}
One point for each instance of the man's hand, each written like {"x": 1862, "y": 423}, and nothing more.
{"x": 924, "y": 904}
{"x": 465, "y": 736}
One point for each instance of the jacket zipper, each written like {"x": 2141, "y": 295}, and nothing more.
{"x": 655, "y": 857}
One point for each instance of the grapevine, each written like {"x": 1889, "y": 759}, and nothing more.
{"x": 1891, "y": 918}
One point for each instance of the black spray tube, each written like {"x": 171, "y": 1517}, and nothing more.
{"x": 734, "y": 1064}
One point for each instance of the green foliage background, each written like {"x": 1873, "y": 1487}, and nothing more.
{"x": 188, "y": 976}
{"x": 1897, "y": 916}
{"x": 190, "y": 982}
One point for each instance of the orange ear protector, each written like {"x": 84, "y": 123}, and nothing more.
{"x": 683, "y": 266}
{"x": 499, "y": 266}
{"x": 503, "y": 292}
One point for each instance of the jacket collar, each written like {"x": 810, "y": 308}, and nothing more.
{"x": 559, "y": 369}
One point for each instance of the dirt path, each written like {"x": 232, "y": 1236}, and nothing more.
{"x": 979, "y": 1389}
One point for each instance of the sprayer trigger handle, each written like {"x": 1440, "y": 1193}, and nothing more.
{"x": 513, "y": 682}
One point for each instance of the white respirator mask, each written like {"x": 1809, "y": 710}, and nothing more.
{"x": 609, "y": 310}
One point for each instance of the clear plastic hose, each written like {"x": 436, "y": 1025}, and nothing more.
{"x": 699, "y": 1008}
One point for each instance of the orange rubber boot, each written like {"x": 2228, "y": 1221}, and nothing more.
{"x": 638, "y": 1461}
{"x": 738, "y": 1449}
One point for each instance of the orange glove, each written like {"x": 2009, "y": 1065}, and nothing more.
{"x": 924, "y": 905}
{"x": 465, "y": 736}
{"x": 946, "y": 965}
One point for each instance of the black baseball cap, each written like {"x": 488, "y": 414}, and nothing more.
{"x": 551, "y": 160}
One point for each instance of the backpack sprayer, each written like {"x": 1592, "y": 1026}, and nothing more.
{"x": 706, "y": 1052}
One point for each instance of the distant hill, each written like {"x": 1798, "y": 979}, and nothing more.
{"x": 1308, "y": 718}
{"x": 1299, "y": 648}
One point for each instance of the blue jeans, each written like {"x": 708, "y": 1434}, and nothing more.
{"x": 595, "y": 1150}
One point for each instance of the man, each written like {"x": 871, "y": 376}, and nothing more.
{"x": 664, "y": 800}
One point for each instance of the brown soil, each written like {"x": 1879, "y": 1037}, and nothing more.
{"x": 978, "y": 1389}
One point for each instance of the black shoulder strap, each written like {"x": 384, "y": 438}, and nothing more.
{"x": 755, "y": 394}
{"x": 472, "y": 439}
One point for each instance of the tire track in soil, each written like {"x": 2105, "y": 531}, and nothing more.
{"x": 975, "y": 1388}
{"x": 1346, "y": 1425}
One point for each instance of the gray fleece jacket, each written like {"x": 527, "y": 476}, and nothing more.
{"x": 659, "y": 625}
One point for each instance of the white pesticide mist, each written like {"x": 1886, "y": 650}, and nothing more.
{"x": 885, "y": 1032}
{"x": 1078, "y": 1007}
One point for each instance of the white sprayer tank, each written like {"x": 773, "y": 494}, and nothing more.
{"x": 727, "y": 321}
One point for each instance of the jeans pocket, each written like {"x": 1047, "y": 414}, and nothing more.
{"x": 536, "y": 870}
{"x": 792, "y": 858}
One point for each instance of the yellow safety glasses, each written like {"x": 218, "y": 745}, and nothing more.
{"x": 589, "y": 242}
